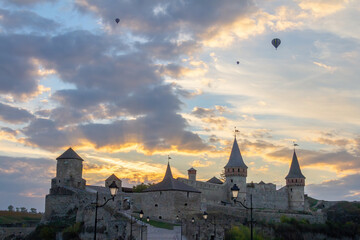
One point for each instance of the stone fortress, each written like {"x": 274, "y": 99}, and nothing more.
{"x": 70, "y": 196}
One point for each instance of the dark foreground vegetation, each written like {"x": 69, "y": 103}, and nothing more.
{"x": 343, "y": 221}
{"x": 19, "y": 219}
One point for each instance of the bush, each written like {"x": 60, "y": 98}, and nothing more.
{"x": 240, "y": 233}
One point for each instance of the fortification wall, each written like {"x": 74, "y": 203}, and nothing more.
{"x": 265, "y": 196}
{"x": 168, "y": 204}
{"x": 210, "y": 192}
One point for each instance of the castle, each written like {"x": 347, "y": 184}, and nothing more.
{"x": 171, "y": 197}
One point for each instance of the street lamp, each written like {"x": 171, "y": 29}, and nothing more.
{"x": 193, "y": 222}
{"x": 177, "y": 219}
{"x": 235, "y": 192}
{"x": 205, "y": 216}
{"x": 141, "y": 215}
{"x": 113, "y": 191}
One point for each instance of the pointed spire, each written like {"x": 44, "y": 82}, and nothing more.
{"x": 295, "y": 171}
{"x": 236, "y": 159}
{"x": 170, "y": 184}
{"x": 168, "y": 173}
{"x": 69, "y": 154}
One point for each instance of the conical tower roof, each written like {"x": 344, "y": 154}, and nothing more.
{"x": 295, "y": 171}
{"x": 69, "y": 154}
{"x": 170, "y": 184}
{"x": 235, "y": 159}
{"x": 215, "y": 180}
{"x": 113, "y": 177}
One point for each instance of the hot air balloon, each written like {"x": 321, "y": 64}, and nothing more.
{"x": 117, "y": 20}
{"x": 276, "y": 42}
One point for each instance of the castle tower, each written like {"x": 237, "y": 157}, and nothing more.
{"x": 236, "y": 171}
{"x": 69, "y": 171}
{"x": 111, "y": 179}
{"x": 192, "y": 174}
{"x": 295, "y": 182}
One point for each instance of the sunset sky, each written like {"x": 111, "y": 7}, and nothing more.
{"x": 165, "y": 81}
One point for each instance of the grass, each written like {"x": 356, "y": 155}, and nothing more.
{"x": 159, "y": 224}
{"x": 7, "y": 217}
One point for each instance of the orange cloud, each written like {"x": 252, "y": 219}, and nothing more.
{"x": 134, "y": 171}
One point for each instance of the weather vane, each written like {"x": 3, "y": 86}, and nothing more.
{"x": 295, "y": 144}
{"x": 236, "y": 131}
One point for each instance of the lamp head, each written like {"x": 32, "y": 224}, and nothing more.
{"x": 205, "y": 215}
{"x": 113, "y": 189}
{"x": 235, "y": 191}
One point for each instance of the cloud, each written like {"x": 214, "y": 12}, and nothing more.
{"x": 24, "y": 19}
{"x": 329, "y": 68}
{"x": 24, "y": 178}
{"x": 201, "y": 163}
{"x": 27, "y": 3}
{"x": 322, "y": 8}
{"x": 14, "y": 115}
{"x": 339, "y": 161}
{"x": 346, "y": 188}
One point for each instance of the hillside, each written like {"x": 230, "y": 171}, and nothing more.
{"x": 19, "y": 218}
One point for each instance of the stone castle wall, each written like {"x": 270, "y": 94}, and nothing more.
{"x": 210, "y": 192}
{"x": 168, "y": 204}
{"x": 267, "y": 197}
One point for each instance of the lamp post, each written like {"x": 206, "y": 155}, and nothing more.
{"x": 113, "y": 191}
{"x": 235, "y": 192}
{"x": 177, "y": 218}
{"x": 193, "y": 222}
{"x": 205, "y": 216}
{"x": 141, "y": 215}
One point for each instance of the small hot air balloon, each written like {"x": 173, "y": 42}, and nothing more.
{"x": 117, "y": 20}
{"x": 238, "y": 62}
{"x": 276, "y": 42}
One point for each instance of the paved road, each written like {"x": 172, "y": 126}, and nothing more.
{"x": 164, "y": 234}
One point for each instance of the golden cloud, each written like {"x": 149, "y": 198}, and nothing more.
{"x": 321, "y": 8}
{"x": 133, "y": 171}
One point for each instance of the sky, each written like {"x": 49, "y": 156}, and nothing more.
{"x": 165, "y": 81}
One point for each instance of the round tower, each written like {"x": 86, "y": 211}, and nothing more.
{"x": 69, "y": 170}
{"x": 192, "y": 174}
{"x": 295, "y": 182}
{"x": 236, "y": 171}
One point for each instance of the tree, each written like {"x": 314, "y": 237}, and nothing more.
{"x": 222, "y": 175}
{"x": 33, "y": 210}
{"x": 141, "y": 187}
{"x": 11, "y": 208}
